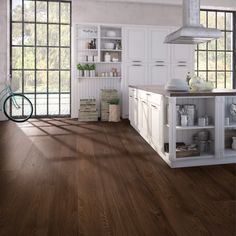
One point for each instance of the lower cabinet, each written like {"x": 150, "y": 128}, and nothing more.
{"x": 146, "y": 117}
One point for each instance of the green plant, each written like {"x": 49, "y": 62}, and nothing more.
{"x": 80, "y": 67}
{"x": 114, "y": 101}
{"x": 86, "y": 67}
{"x": 92, "y": 67}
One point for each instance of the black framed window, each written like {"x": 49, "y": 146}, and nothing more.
{"x": 214, "y": 61}
{"x": 40, "y": 54}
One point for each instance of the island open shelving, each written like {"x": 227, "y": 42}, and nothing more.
{"x": 152, "y": 112}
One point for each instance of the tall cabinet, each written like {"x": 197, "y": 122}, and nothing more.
{"x": 148, "y": 61}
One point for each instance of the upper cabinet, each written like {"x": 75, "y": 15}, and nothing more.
{"x": 182, "y": 54}
{"x": 159, "y": 52}
{"x": 136, "y": 44}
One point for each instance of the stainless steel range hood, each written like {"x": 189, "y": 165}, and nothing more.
{"x": 192, "y": 31}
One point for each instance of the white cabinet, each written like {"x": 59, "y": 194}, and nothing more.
{"x": 158, "y": 74}
{"x": 144, "y": 112}
{"x": 136, "y": 74}
{"x": 155, "y": 131}
{"x": 136, "y": 44}
{"x": 131, "y": 109}
{"x": 159, "y": 52}
{"x": 182, "y": 54}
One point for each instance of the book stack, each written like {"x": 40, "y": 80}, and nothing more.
{"x": 106, "y": 96}
{"x": 88, "y": 110}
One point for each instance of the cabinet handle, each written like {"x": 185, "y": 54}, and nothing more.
{"x": 182, "y": 65}
{"x": 159, "y": 65}
{"x": 136, "y": 98}
{"x": 137, "y": 61}
{"x": 144, "y": 102}
{"x": 148, "y": 94}
{"x": 159, "y": 61}
{"x": 182, "y": 61}
{"x": 130, "y": 96}
{"x": 136, "y": 65}
{"x": 154, "y": 106}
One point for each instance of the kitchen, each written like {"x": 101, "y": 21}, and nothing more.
{"x": 132, "y": 176}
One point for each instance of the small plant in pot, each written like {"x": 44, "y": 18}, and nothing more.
{"x": 86, "y": 70}
{"x": 114, "y": 110}
{"x": 80, "y": 68}
{"x": 92, "y": 69}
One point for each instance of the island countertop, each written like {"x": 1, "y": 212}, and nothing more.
{"x": 161, "y": 90}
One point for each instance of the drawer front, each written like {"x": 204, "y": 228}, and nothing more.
{"x": 155, "y": 98}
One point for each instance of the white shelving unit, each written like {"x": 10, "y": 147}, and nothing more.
{"x": 90, "y": 86}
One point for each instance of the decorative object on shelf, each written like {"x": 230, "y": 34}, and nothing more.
{"x": 109, "y": 46}
{"x": 95, "y": 58}
{"x": 198, "y": 84}
{"x": 92, "y": 44}
{"x": 107, "y": 57}
{"x": 90, "y": 58}
{"x": 118, "y": 45}
{"x": 184, "y": 120}
{"x": 191, "y": 111}
{"x": 202, "y": 121}
{"x": 88, "y": 110}
{"x": 226, "y": 121}
{"x": 114, "y": 110}
{"x": 234, "y": 143}
{"x": 92, "y": 69}
{"x": 229, "y": 133}
{"x": 232, "y": 110}
{"x": 111, "y": 33}
{"x": 106, "y": 96}
{"x": 86, "y": 70}
{"x": 89, "y": 32}
{"x": 188, "y": 78}
{"x": 176, "y": 85}
{"x": 80, "y": 68}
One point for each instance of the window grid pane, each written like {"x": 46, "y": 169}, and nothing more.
{"x": 41, "y": 54}
{"x": 214, "y": 60}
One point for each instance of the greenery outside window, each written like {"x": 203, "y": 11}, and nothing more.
{"x": 214, "y": 61}
{"x": 40, "y": 55}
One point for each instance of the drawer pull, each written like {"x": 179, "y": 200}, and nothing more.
{"x": 154, "y": 106}
{"x": 182, "y": 65}
{"x": 182, "y": 61}
{"x": 136, "y": 61}
{"x": 148, "y": 94}
{"x": 136, "y": 65}
{"x": 159, "y": 61}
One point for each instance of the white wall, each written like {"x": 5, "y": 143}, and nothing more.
{"x": 3, "y": 45}
{"x": 125, "y": 13}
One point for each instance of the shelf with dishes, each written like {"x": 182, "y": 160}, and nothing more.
{"x": 100, "y": 77}
{"x": 193, "y": 127}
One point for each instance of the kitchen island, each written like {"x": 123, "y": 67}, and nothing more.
{"x": 185, "y": 128}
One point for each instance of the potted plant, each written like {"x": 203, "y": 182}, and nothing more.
{"x": 80, "y": 69}
{"x": 86, "y": 70}
{"x": 114, "y": 110}
{"x": 92, "y": 70}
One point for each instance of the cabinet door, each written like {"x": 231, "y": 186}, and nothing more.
{"x": 155, "y": 126}
{"x": 159, "y": 52}
{"x": 136, "y": 44}
{"x": 145, "y": 120}
{"x": 180, "y": 71}
{"x": 136, "y": 113}
{"x": 131, "y": 110}
{"x": 136, "y": 74}
{"x": 182, "y": 54}
{"x": 158, "y": 74}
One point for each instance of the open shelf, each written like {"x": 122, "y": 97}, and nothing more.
{"x": 202, "y": 156}
{"x": 195, "y": 127}
{"x": 231, "y": 125}
{"x": 230, "y": 152}
{"x": 100, "y": 77}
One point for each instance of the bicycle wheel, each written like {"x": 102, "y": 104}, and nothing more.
{"x": 18, "y": 108}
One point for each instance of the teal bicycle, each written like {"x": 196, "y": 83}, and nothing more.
{"x": 16, "y": 106}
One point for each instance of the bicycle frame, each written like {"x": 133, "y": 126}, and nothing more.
{"x": 7, "y": 91}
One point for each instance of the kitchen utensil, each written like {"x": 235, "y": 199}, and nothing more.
{"x": 109, "y": 46}
{"x": 190, "y": 110}
{"x": 184, "y": 120}
{"x": 203, "y": 135}
{"x": 201, "y": 121}
{"x": 226, "y": 121}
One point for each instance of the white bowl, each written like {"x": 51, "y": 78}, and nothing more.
{"x": 111, "y": 33}
{"x": 109, "y": 45}
{"x": 177, "y": 84}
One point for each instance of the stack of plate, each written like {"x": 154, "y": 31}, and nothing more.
{"x": 177, "y": 85}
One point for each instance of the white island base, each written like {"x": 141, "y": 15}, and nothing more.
{"x": 152, "y": 112}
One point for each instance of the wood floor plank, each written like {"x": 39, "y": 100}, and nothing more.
{"x": 64, "y": 177}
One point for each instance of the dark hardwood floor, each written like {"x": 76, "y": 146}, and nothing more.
{"x": 61, "y": 177}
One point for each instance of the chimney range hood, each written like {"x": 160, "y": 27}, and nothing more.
{"x": 192, "y": 31}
